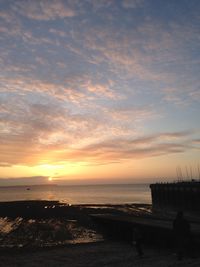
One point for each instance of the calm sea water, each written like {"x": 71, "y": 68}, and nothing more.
{"x": 83, "y": 194}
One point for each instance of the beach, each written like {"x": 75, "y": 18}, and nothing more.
{"x": 54, "y": 234}
{"x": 28, "y": 224}
{"x": 107, "y": 253}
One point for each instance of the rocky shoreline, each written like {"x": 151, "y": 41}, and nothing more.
{"x": 57, "y": 234}
{"x": 49, "y": 223}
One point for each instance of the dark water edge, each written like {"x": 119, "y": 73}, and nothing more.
{"x": 29, "y": 224}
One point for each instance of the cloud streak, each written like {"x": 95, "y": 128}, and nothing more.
{"x": 123, "y": 149}
{"x": 44, "y": 10}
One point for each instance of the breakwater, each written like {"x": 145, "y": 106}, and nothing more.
{"x": 176, "y": 196}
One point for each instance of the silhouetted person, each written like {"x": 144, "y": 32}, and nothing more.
{"x": 181, "y": 229}
{"x": 137, "y": 241}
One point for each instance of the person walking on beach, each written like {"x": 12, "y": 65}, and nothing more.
{"x": 181, "y": 228}
{"x": 137, "y": 241}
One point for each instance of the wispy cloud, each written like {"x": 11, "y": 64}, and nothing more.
{"x": 132, "y": 3}
{"x": 77, "y": 89}
{"x": 40, "y": 128}
{"x": 132, "y": 113}
{"x": 49, "y": 134}
{"x": 34, "y": 180}
{"x": 122, "y": 149}
{"x": 44, "y": 10}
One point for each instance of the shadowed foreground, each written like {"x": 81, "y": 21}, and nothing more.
{"x": 116, "y": 254}
{"x": 38, "y": 225}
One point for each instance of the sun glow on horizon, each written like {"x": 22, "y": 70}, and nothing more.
{"x": 84, "y": 95}
{"x": 49, "y": 169}
{"x": 60, "y": 170}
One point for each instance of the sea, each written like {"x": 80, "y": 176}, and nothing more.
{"x": 80, "y": 194}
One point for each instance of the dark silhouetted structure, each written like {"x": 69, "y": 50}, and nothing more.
{"x": 181, "y": 228}
{"x": 176, "y": 196}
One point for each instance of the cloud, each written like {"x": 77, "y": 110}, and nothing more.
{"x": 78, "y": 83}
{"x": 35, "y": 131}
{"x": 34, "y": 180}
{"x": 4, "y": 164}
{"x": 132, "y": 113}
{"x": 97, "y": 5}
{"x": 147, "y": 146}
{"x": 196, "y": 142}
{"x": 10, "y": 24}
{"x": 174, "y": 97}
{"x": 195, "y": 95}
{"x": 123, "y": 52}
{"x": 76, "y": 89}
{"x": 56, "y": 122}
{"x": 48, "y": 128}
{"x": 132, "y": 3}
{"x": 150, "y": 52}
{"x": 44, "y": 9}
{"x": 6, "y": 16}
{"x": 101, "y": 90}
{"x": 58, "y": 32}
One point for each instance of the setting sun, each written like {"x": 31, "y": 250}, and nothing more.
{"x": 48, "y": 170}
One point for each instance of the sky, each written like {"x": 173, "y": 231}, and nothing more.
{"x": 99, "y": 91}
